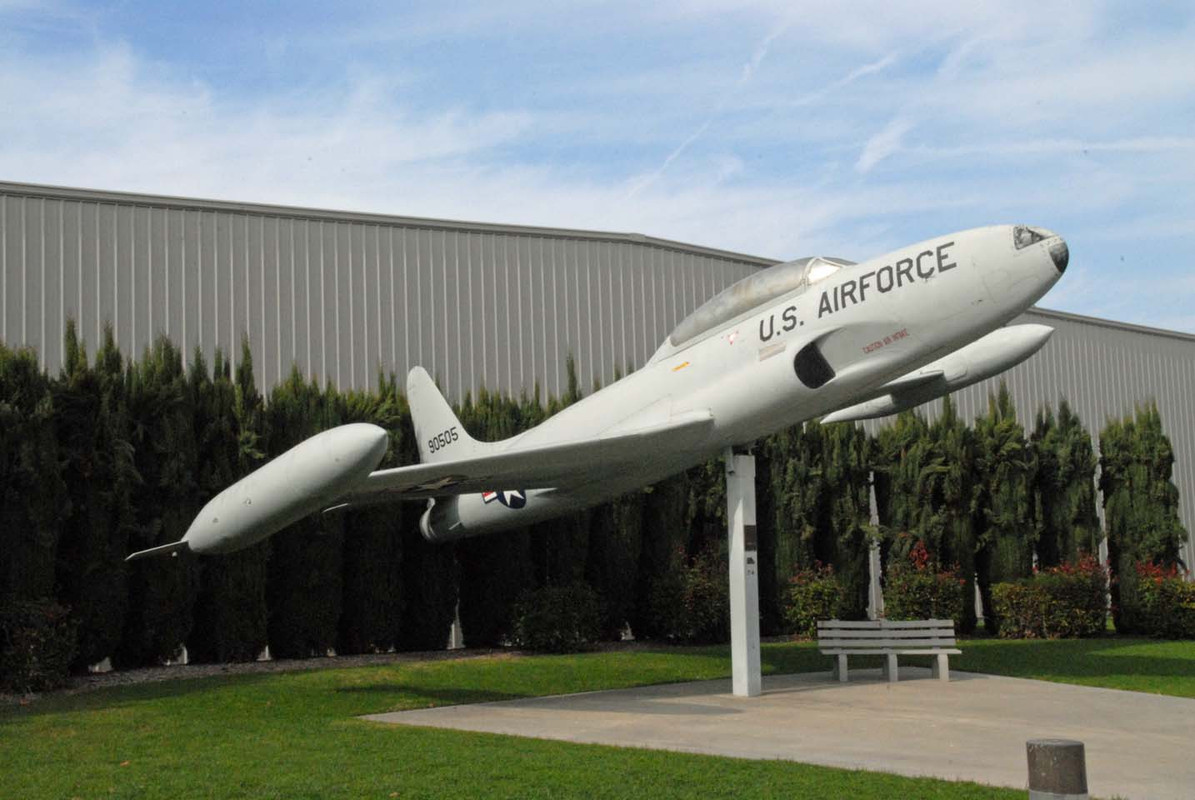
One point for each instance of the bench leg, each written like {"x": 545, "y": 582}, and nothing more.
{"x": 890, "y": 668}
{"x": 941, "y": 667}
{"x": 840, "y": 668}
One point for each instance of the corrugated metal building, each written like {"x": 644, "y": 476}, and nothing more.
{"x": 343, "y": 295}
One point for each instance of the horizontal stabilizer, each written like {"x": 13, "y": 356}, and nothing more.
{"x": 174, "y": 548}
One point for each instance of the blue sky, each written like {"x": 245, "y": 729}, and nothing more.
{"x": 779, "y": 129}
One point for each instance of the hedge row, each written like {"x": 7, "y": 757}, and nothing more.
{"x": 116, "y": 454}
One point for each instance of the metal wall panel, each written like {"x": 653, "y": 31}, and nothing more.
{"x": 341, "y": 296}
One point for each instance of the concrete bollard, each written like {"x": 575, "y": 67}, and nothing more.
{"x": 1057, "y": 769}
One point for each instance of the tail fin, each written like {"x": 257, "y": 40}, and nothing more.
{"x": 440, "y": 435}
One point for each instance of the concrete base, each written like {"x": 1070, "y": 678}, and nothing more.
{"x": 972, "y": 728}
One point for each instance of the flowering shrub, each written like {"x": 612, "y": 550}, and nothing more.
{"x": 1167, "y": 602}
{"x": 1060, "y": 602}
{"x": 557, "y": 619}
{"x": 813, "y": 594}
{"x": 690, "y": 603}
{"x": 37, "y": 643}
{"x": 921, "y": 588}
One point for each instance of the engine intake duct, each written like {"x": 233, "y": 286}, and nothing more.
{"x": 812, "y": 368}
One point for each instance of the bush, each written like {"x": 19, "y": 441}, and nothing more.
{"x": 37, "y": 643}
{"x": 691, "y": 604}
{"x": 1060, "y": 602}
{"x": 814, "y": 594}
{"x": 1167, "y": 602}
{"x": 920, "y": 588}
{"x": 558, "y": 619}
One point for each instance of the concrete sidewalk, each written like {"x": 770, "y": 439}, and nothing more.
{"x": 973, "y": 728}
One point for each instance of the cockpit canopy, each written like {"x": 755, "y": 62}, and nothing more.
{"x": 753, "y": 291}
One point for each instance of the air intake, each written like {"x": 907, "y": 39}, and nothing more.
{"x": 812, "y": 368}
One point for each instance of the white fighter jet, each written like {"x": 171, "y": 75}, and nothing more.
{"x": 813, "y": 337}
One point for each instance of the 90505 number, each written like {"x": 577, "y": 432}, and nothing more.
{"x": 442, "y": 440}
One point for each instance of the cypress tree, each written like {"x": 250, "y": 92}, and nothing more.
{"x": 494, "y": 570}
{"x": 846, "y": 530}
{"x": 304, "y": 584}
{"x": 559, "y": 546}
{"x": 231, "y": 614}
{"x": 1004, "y": 536}
{"x": 820, "y": 479}
{"x": 904, "y": 452}
{"x": 705, "y": 521}
{"x": 428, "y": 571}
{"x": 662, "y": 550}
{"x": 97, "y": 461}
{"x": 1140, "y": 507}
{"x": 33, "y": 497}
{"x": 1064, "y": 464}
{"x": 372, "y": 543}
{"x": 954, "y": 524}
{"x": 925, "y": 492}
{"x": 429, "y": 583}
{"x": 615, "y": 542}
{"x": 771, "y": 622}
{"x": 161, "y": 592}
{"x": 1161, "y": 533}
{"x": 796, "y": 486}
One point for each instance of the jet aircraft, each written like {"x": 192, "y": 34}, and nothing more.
{"x": 803, "y": 339}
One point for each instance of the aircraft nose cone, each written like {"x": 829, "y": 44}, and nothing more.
{"x": 1060, "y": 254}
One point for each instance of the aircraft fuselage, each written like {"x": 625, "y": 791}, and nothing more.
{"x": 766, "y": 369}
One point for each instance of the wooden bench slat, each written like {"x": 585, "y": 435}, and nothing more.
{"x": 888, "y": 644}
{"x": 899, "y": 651}
{"x": 899, "y": 633}
{"x": 884, "y": 623}
{"x": 872, "y": 640}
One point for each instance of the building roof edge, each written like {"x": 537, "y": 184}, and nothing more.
{"x": 303, "y": 212}
{"x": 1108, "y": 323}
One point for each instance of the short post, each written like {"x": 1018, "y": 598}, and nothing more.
{"x": 1057, "y": 769}
{"x": 744, "y": 574}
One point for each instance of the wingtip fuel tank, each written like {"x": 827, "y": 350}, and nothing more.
{"x": 984, "y": 358}
{"x": 301, "y": 481}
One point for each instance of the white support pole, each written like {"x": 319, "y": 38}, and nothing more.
{"x": 744, "y": 574}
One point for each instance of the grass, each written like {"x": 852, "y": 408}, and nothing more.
{"x": 295, "y": 735}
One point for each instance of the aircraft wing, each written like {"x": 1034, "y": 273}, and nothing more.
{"x": 562, "y": 465}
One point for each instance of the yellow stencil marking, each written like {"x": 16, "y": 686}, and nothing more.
{"x": 680, "y": 366}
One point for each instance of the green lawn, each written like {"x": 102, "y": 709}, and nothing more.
{"x": 295, "y": 735}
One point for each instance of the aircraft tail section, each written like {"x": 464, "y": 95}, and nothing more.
{"x": 440, "y": 435}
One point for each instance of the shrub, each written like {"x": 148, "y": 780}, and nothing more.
{"x": 1167, "y": 602}
{"x": 1060, "y": 602}
{"x": 814, "y": 594}
{"x": 558, "y": 619}
{"x": 692, "y": 603}
{"x": 921, "y": 588}
{"x": 37, "y": 643}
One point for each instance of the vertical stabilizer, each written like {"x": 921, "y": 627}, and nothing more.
{"x": 440, "y": 435}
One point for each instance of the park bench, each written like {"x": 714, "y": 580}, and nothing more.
{"x": 843, "y": 638}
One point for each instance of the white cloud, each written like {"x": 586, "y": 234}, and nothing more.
{"x": 882, "y": 144}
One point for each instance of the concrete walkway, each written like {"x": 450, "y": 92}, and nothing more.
{"x": 973, "y": 728}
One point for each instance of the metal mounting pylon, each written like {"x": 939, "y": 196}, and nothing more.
{"x": 744, "y": 574}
